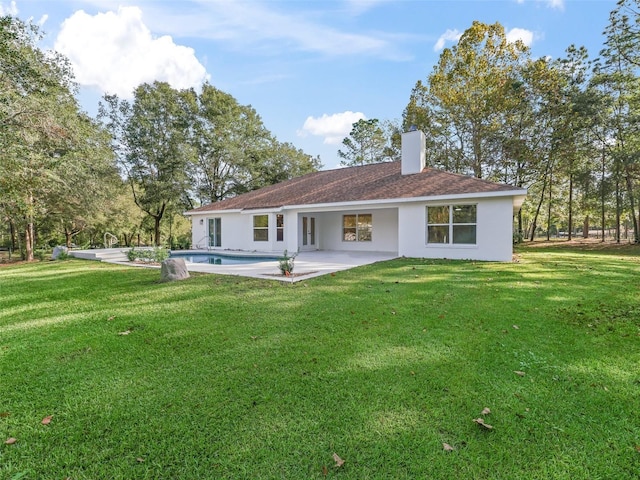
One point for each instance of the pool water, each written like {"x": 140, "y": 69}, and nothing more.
{"x": 214, "y": 259}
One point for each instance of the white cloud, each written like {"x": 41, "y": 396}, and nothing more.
{"x": 448, "y": 36}
{"x": 11, "y": 10}
{"x": 334, "y": 128}
{"x": 559, "y": 4}
{"x": 116, "y": 52}
{"x": 520, "y": 34}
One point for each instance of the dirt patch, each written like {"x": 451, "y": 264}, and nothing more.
{"x": 586, "y": 244}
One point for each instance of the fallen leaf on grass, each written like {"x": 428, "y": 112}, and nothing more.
{"x": 111, "y": 318}
{"x": 325, "y": 470}
{"x": 139, "y": 459}
{"x": 447, "y": 447}
{"x": 4, "y": 414}
{"x": 485, "y": 411}
{"x": 520, "y": 373}
{"x": 10, "y": 441}
{"x": 126, "y": 332}
{"x": 638, "y": 448}
{"x": 516, "y": 327}
{"x": 338, "y": 460}
{"x": 480, "y": 421}
{"x": 47, "y": 420}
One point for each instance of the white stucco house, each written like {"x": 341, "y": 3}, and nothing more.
{"x": 397, "y": 207}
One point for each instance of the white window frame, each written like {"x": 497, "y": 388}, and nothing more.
{"x": 357, "y": 228}
{"x": 450, "y": 225}
{"x": 257, "y": 229}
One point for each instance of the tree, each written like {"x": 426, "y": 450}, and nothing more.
{"x": 616, "y": 76}
{"x": 50, "y": 148}
{"x": 235, "y": 152}
{"x": 467, "y": 98}
{"x": 152, "y": 139}
{"x": 365, "y": 144}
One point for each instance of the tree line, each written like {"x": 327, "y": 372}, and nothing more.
{"x": 67, "y": 177}
{"x": 567, "y": 129}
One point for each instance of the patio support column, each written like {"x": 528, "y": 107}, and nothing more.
{"x": 291, "y": 234}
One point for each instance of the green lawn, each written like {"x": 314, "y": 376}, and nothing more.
{"x": 227, "y": 377}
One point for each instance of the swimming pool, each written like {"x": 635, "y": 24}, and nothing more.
{"x": 222, "y": 259}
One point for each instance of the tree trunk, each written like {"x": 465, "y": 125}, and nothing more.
{"x": 29, "y": 232}
{"x": 602, "y": 199}
{"x": 534, "y": 224}
{"x": 28, "y": 242}
{"x": 570, "y": 232}
{"x": 618, "y": 208}
{"x": 68, "y": 235}
{"x": 632, "y": 205}
{"x": 549, "y": 206}
{"x": 585, "y": 227}
{"x": 14, "y": 235}
{"x": 156, "y": 231}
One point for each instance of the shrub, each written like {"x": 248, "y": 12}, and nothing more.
{"x": 40, "y": 254}
{"x": 286, "y": 263}
{"x": 150, "y": 255}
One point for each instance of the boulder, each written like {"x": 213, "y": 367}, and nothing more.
{"x": 173, "y": 269}
{"x": 57, "y": 251}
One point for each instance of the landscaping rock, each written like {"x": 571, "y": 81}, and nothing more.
{"x": 173, "y": 269}
{"x": 57, "y": 251}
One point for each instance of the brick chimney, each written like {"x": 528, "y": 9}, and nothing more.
{"x": 413, "y": 151}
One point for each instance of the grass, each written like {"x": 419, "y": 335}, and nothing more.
{"x": 227, "y": 377}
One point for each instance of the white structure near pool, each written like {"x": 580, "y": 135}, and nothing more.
{"x": 395, "y": 208}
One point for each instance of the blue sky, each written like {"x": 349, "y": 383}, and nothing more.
{"x": 309, "y": 68}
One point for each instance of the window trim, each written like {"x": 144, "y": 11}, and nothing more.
{"x": 450, "y": 226}
{"x": 257, "y": 229}
{"x": 279, "y": 227}
{"x": 357, "y": 229}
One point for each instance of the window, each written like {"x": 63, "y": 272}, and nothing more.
{"x": 261, "y": 228}
{"x": 452, "y": 224}
{"x": 280, "y": 227}
{"x": 215, "y": 232}
{"x": 357, "y": 228}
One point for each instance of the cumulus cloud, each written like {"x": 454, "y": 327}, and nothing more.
{"x": 515, "y": 34}
{"x": 334, "y": 128}
{"x": 11, "y": 10}
{"x": 448, "y": 36}
{"x": 116, "y": 52}
{"x": 512, "y": 35}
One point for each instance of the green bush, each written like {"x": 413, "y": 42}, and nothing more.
{"x": 40, "y": 254}
{"x": 286, "y": 263}
{"x": 150, "y": 255}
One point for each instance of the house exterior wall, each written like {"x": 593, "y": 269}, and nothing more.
{"x": 400, "y": 229}
{"x": 494, "y": 232}
{"x": 237, "y": 232}
{"x": 384, "y": 236}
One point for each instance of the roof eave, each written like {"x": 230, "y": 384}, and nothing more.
{"x": 431, "y": 198}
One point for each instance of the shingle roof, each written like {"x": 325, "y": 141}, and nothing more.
{"x": 381, "y": 181}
